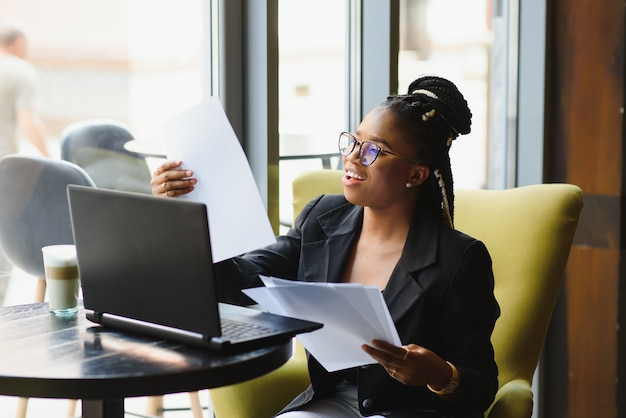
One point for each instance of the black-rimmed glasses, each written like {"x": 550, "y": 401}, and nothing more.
{"x": 368, "y": 151}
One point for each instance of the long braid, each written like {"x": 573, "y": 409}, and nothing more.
{"x": 445, "y": 202}
{"x": 447, "y": 192}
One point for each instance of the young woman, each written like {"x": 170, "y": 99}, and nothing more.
{"x": 392, "y": 228}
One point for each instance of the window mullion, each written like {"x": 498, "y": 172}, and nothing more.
{"x": 374, "y": 44}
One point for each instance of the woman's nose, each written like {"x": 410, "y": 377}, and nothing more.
{"x": 355, "y": 155}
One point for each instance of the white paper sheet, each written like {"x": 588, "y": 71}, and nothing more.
{"x": 203, "y": 139}
{"x": 352, "y": 315}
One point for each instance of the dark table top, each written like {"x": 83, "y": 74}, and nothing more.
{"x": 42, "y": 355}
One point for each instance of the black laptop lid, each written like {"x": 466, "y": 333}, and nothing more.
{"x": 129, "y": 268}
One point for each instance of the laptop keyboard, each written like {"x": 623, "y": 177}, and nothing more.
{"x": 234, "y": 330}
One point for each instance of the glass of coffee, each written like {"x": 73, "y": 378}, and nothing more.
{"x": 62, "y": 279}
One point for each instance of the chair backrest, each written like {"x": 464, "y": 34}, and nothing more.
{"x": 34, "y": 211}
{"x": 97, "y": 145}
{"x": 311, "y": 184}
{"x": 529, "y": 232}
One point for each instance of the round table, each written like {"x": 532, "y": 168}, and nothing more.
{"x": 47, "y": 356}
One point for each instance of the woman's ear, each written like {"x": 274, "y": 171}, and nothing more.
{"x": 419, "y": 174}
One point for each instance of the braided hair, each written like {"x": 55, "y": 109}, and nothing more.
{"x": 431, "y": 115}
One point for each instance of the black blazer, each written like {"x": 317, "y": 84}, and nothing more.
{"x": 440, "y": 296}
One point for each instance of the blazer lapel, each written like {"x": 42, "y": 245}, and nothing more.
{"x": 420, "y": 251}
{"x": 324, "y": 258}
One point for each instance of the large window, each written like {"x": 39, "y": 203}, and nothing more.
{"x": 115, "y": 60}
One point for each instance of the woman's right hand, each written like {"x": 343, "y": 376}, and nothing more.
{"x": 170, "y": 180}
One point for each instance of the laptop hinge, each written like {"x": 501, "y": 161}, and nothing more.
{"x": 93, "y": 316}
{"x": 217, "y": 343}
{"x": 155, "y": 330}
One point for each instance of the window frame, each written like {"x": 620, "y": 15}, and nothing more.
{"x": 248, "y": 38}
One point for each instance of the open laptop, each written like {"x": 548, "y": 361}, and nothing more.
{"x": 145, "y": 266}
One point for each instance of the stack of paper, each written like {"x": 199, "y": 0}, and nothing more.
{"x": 352, "y": 315}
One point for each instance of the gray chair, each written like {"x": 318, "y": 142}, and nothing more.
{"x": 34, "y": 212}
{"x": 97, "y": 145}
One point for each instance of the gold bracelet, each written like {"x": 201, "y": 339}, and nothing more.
{"x": 450, "y": 385}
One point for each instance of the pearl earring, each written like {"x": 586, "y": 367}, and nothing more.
{"x": 408, "y": 185}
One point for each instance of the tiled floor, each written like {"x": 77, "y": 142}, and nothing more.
{"x": 20, "y": 289}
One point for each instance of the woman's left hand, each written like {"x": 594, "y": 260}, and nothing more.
{"x": 170, "y": 180}
{"x": 410, "y": 364}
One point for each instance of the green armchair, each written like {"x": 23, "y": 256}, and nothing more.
{"x": 528, "y": 231}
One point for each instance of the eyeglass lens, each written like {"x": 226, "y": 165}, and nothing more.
{"x": 368, "y": 151}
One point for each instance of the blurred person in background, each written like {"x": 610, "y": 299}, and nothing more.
{"x": 18, "y": 100}
{"x": 18, "y": 93}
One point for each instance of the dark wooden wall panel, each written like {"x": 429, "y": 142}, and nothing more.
{"x": 585, "y": 146}
{"x": 592, "y": 340}
{"x": 585, "y": 81}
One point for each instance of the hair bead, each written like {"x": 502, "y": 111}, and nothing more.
{"x": 428, "y": 115}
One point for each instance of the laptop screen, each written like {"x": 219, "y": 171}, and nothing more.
{"x": 145, "y": 257}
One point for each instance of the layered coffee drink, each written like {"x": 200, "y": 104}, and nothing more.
{"x": 62, "y": 278}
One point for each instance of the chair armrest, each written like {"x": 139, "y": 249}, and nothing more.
{"x": 513, "y": 400}
{"x": 266, "y": 395}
